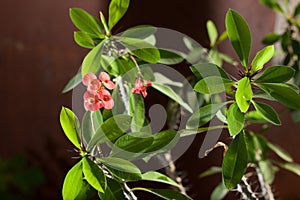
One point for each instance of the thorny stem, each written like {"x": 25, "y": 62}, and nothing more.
{"x": 129, "y": 193}
{"x": 265, "y": 187}
{"x": 137, "y": 66}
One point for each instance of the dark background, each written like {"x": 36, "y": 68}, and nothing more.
{"x": 38, "y": 56}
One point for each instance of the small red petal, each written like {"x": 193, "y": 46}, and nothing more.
{"x": 88, "y": 78}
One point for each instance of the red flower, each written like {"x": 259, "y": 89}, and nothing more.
{"x": 92, "y": 101}
{"x": 105, "y": 79}
{"x": 92, "y": 82}
{"x": 141, "y": 87}
{"x": 106, "y": 98}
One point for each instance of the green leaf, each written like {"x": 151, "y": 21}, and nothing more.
{"x": 271, "y": 38}
{"x": 204, "y": 115}
{"x": 141, "y": 49}
{"x": 292, "y": 167}
{"x": 280, "y": 152}
{"x": 212, "y": 32}
{"x": 111, "y": 129}
{"x": 255, "y": 117}
{"x": 91, "y": 62}
{"x": 267, "y": 170}
{"x": 73, "y": 182}
{"x": 273, "y": 4}
{"x": 267, "y": 112}
{"x": 282, "y": 93}
{"x": 212, "y": 85}
{"x": 165, "y": 193}
{"x": 70, "y": 124}
{"x": 90, "y": 123}
{"x": 158, "y": 177}
{"x": 235, "y": 119}
{"x": 204, "y": 70}
{"x": 168, "y": 91}
{"x": 276, "y": 74}
{"x": 170, "y": 57}
{"x": 215, "y": 56}
{"x": 86, "y": 191}
{"x": 211, "y": 171}
{"x": 243, "y": 94}
{"x": 117, "y": 9}
{"x": 235, "y": 162}
{"x": 219, "y": 192}
{"x": 85, "y": 22}
{"x": 163, "y": 141}
{"x": 84, "y": 40}
{"x": 261, "y": 58}
{"x": 127, "y": 146}
{"x": 113, "y": 191}
{"x": 93, "y": 174}
{"x": 188, "y": 132}
{"x": 76, "y": 80}
{"x": 140, "y": 32}
{"x": 137, "y": 111}
{"x": 239, "y": 35}
{"x": 121, "y": 168}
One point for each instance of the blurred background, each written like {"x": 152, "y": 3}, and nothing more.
{"x": 37, "y": 58}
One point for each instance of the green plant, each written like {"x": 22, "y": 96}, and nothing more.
{"x": 116, "y": 113}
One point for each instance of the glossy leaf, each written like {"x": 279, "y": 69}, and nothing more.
{"x": 212, "y": 85}
{"x": 188, "y": 132}
{"x": 127, "y": 146}
{"x": 85, "y": 22}
{"x": 117, "y": 9}
{"x": 276, "y": 74}
{"x": 86, "y": 191}
{"x": 267, "y": 112}
{"x": 239, "y": 35}
{"x": 137, "y": 111}
{"x": 204, "y": 70}
{"x": 163, "y": 141}
{"x": 166, "y": 193}
{"x": 73, "y": 182}
{"x": 84, "y": 40}
{"x": 235, "y": 162}
{"x": 170, "y": 57}
{"x": 93, "y": 174}
{"x": 121, "y": 168}
{"x": 204, "y": 115}
{"x": 235, "y": 119}
{"x": 113, "y": 191}
{"x": 212, "y": 32}
{"x": 282, "y": 93}
{"x": 70, "y": 124}
{"x": 158, "y": 177}
{"x": 261, "y": 58}
{"x": 267, "y": 170}
{"x": 141, "y": 49}
{"x": 280, "y": 152}
{"x": 211, "y": 171}
{"x": 91, "y": 62}
{"x": 140, "y": 32}
{"x": 168, "y": 91}
{"x": 87, "y": 126}
{"x": 271, "y": 38}
{"x": 219, "y": 192}
{"x": 110, "y": 130}
{"x": 243, "y": 94}
{"x": 76, "y": 80}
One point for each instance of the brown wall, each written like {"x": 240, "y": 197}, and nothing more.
{"x": 38, "y": 56}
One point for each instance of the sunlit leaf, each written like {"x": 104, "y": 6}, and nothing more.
{"x": 93, "y": 174}
{"x": 243, "y": 94}
{"x": 261, "y": 58}
{"x": 83, "y": 39}
{"x": 276, "y": 74}
{"x": 113, "y": 191}
{"x": 212, "y": 85}
{"x": 70, "y": 124}
{"x": 76, "y": 80}
{"x": 212, "y": 32}
{"x": 117, "y": 9}
{"x": 73, "y": 182}
{"x": 239, "y": 35}
{"x": 158, "y": 177}
{"x": 235, "y": 119}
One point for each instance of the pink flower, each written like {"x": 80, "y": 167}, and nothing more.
{"x": 106, "y": 98}
{"x": 141, "y": 87}
{"x": 105, "y": 79}
{"x": 92, "y": 82}
{"x": 92, "y": 101}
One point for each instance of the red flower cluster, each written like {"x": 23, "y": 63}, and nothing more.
{"x": 96, "y": 95}
{"x": 141, "y": 87}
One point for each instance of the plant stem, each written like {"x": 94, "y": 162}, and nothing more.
{"x": 94, "y": 129}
